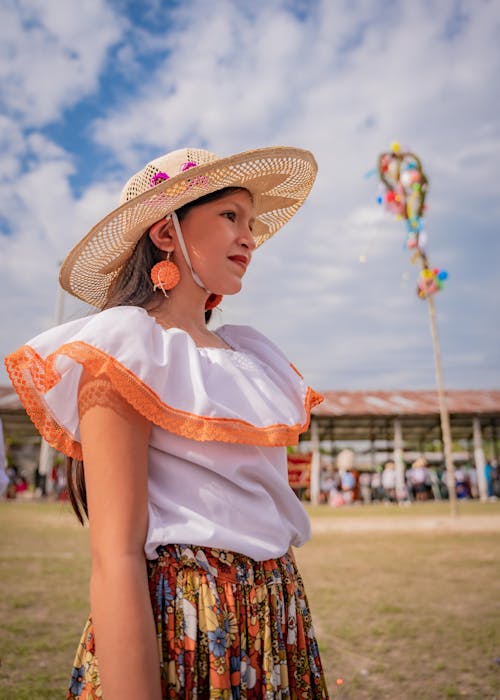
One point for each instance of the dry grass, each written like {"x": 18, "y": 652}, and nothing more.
{"x": 43, "y": 598}
{"x": 398, "y": 616}
{"x": 407, "y": 617}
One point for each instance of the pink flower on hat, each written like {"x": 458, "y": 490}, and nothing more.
{"x": 159, "y": 177}
{"x": 189, "y": 164}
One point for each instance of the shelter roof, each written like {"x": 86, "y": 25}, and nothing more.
{"x": 369, "y": 415}
{"x": 407, "y": 403}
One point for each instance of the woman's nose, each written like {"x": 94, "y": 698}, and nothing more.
{"x": 248, "y": 238}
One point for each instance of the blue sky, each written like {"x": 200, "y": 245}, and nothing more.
{"x": 91, "y": 91}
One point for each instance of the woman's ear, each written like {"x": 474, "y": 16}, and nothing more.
{"x": 161, "y": 235}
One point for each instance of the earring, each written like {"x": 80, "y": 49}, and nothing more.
{"x": 165, "y": 275}
{"x": 213, "y": 301}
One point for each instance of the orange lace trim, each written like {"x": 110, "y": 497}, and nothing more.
{"x": 296, "y": 370}
{"x": 32, "y": 376}
{"x": 316, "y": 397}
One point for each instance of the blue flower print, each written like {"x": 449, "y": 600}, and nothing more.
{"x": 76, "y": 682}
{"x": 235, "y": 666}
{"x": 217, "y": 642}
{"x": 163, "y": 592}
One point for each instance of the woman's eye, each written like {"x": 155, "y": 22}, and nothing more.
{"x": 231, "y": 215}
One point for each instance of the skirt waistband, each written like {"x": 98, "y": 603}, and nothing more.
{"x": 224, "y": 565}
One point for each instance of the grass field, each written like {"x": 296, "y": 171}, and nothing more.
{"x": 398, "y": 616}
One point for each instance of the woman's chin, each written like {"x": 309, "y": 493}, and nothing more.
{"x": 229, "y": 289}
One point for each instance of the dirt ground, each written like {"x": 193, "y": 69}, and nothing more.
{"x": 436, "y": 524}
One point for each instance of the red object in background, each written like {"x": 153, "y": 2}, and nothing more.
{"x": 21, "y": 485}
{"x": 299, "y": 470}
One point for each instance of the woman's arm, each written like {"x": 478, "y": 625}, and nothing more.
{"x": 115, "y": 445}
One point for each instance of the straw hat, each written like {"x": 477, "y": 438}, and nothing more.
{"x": 279, "y": 179}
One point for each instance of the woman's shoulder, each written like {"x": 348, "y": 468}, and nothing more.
{"x": 124, "y": 341}
{"x": 118, "y": 320}
{"x": 111, "y": 321}
{"x": 108, "y": 330}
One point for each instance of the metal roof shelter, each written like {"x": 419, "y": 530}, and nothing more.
{"x": 404, "y": 421}
{"x": 369, "y": 415}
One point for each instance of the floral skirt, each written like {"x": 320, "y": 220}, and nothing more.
{"x": 228, "y": 627}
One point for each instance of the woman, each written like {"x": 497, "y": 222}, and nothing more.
{"x": 177, "y": 435}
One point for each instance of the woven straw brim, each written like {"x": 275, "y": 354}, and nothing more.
{"x": 279, "y": 179}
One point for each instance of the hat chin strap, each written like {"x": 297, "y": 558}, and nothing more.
{"x": 185, "y": 253}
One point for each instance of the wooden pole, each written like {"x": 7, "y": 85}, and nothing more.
{"x": 443, "y": 409}
{"x": 413, "y": 215}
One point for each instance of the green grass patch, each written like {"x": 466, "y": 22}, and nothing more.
{"x": 398, "y": 616}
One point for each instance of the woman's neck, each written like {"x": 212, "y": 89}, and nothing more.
{"x": 189, "y": 317}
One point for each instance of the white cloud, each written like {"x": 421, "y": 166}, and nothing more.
{"x": 345, "y": 82}
{"x": 52, "y": 53}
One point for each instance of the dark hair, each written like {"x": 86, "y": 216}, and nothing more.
{"x": 132, "y": 287}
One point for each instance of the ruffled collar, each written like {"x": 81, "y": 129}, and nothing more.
{"x": 246, "y": 393}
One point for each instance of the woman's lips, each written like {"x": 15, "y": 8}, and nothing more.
{"x": 240, "y": 260}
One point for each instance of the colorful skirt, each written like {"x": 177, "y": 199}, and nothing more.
{"x": 228, "y": 627}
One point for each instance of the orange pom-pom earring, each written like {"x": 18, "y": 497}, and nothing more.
{"x": 213, "y": 301}
{"x": 165, "y": 275}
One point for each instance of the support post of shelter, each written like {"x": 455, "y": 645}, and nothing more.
{"x": 398, "y": 459}
{"x": 373, "y": 451}
{"x": 443, "y": 409}
{"x": 45, "y": 464}
{"x": 315, "y": 462}
{"x": 479, "y": 459}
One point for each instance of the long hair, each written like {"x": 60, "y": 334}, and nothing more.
{"x": 132, "y": 287}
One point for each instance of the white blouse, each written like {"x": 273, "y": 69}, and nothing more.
{"x": 217, "y": 473}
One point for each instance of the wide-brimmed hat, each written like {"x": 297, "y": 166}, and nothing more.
{"x": 279, "y": 179}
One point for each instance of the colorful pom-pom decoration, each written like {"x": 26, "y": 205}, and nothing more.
{"x": 412, "y": 241}
{"x": 403, "y": 189}
{"x": 430, "y": 282}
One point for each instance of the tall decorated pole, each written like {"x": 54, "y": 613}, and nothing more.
{"x": 404, "y": 188}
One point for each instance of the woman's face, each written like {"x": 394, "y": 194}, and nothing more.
{"x": 220, "y": 242}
